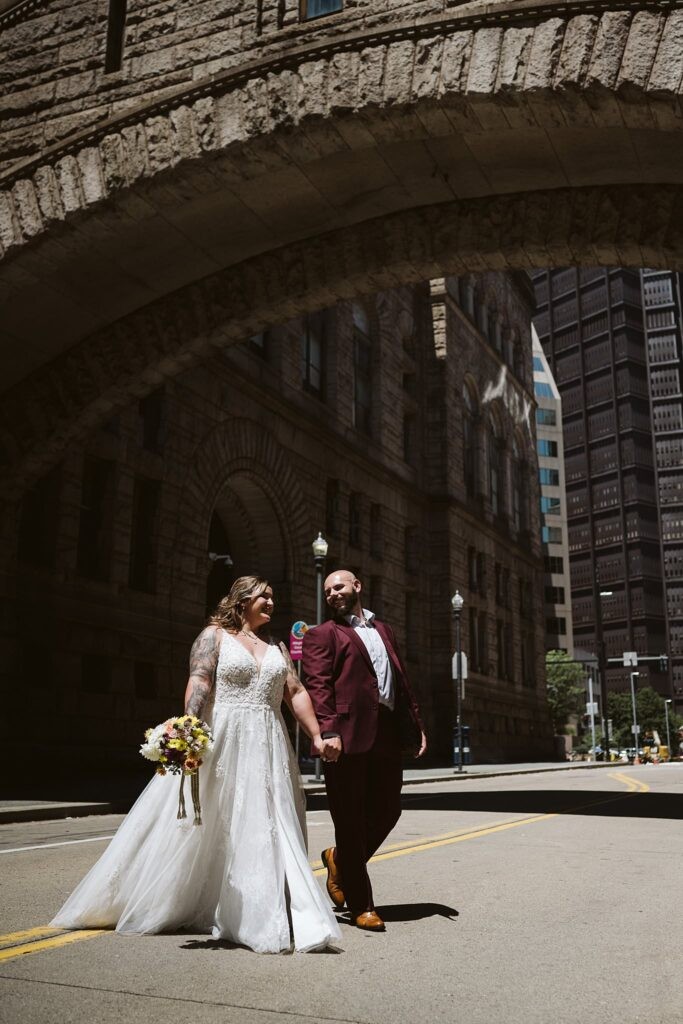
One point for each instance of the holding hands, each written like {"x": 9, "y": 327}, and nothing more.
{"x": 328, "y": 749}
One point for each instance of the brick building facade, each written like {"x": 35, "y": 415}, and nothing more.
{"x": 400, "y": 425}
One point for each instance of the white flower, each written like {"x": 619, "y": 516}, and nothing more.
{"x": 151, "y": 751}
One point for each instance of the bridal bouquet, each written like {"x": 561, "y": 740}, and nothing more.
{"x": 178, "y": 746}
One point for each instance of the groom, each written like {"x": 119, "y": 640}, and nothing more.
{"x": 367, "y": 714}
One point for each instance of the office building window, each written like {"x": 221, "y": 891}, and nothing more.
{"x": 550, "y": 506}
{"x": 554, "y": 595}
{"x": 556, "y": 627}
{"x": 551, "y": 535}
{"x": 546, "y": 417}
{"x": 553, "y": 564}
{"x": 550, "y": 477}
{"x": 548, "y": 448}
{"x": 543, "y": 390}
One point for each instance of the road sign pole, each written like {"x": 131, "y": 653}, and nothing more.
{"x": 635, "y": 729}
{"x": 592, "y": 711}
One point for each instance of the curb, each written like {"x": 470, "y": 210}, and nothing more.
{"x": 59, "y": 811}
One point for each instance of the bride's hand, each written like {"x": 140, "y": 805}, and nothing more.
{"x": 318, "y": 744}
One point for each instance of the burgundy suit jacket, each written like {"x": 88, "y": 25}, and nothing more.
{"x": 342, "y": 683}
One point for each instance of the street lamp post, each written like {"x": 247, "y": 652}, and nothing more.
{"x": 457, "y": 601}
{"x": 320, "y": 547}
{"x": 635, "y": 728}
{"x": 668, "y": 733}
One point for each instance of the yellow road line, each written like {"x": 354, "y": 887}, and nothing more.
{"x": 500, "y": 826}
{"x": 12, "y": 938}
{"x": 635, "y": 785}
{"x": 54, "y": 943}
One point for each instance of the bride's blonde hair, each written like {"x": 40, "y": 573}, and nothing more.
{"x": 229, "y": 613}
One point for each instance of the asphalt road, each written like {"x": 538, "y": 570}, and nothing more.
{"x": 543, "y": 898}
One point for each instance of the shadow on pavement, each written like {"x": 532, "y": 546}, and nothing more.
{"x": 416, "y": 911}
{"x": 584, "y": 802}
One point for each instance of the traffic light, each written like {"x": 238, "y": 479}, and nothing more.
{"x": 663, "y": 662}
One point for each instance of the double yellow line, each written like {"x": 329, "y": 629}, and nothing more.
{"x": 37, "y": 940}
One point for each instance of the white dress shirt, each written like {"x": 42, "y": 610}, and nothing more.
{"x": 367, "y": 631}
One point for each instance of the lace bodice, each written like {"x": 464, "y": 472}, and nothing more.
{"x": 240, "y": 681}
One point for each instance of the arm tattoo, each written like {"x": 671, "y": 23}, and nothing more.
{"x": 203, "y": 661}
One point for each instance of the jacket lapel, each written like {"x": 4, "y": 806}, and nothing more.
{"x": 355, "y": 639}
{"x": 393, "y": 657}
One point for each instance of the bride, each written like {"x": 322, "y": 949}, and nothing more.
{"x": 244, "y": 874}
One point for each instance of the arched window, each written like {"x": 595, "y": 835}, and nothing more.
{"x": 481, "y": 314}
{"x": 496, "y": 330}
{"x": 362, "y": 370}
{"x": 520, "y": 489}
{"x": 518, "y": 361}
{"x": 469, "y": 297}
{"x": 496, "y": 476}
{"x": 469, "y": 441}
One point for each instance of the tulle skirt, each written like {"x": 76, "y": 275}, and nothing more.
{"x": 243, "y": 875}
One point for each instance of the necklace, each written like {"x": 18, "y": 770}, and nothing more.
{"x": 250, "y": 635}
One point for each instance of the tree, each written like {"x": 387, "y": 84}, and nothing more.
{"x": 649, "y": 712}
{"x": 565, "y": 687}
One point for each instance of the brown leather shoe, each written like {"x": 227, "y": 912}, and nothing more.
{"x": 369, "y": 921}
{"x": 334, "y": 889}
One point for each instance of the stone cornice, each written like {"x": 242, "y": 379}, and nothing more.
{"x": 14, "y": 11}
{"x": 502, "y": 15}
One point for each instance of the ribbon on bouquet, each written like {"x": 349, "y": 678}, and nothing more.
{"x": 194, "y": 791}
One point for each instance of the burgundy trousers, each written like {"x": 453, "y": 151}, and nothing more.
{"x": 364, "y": 796}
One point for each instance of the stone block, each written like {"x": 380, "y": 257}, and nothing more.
{"x": 608, "y": 49}
{"x": 398, "y": 72}
{"x": 577, "y": 47}
{"x": 27, "y": 207}
{"x": 483, "y": 69}
{"x": 48, "y": 193}
{"x": 667, "y": 71}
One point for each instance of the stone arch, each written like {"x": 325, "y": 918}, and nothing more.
{"x": 59, "y": 403}
{"x": 233, "y": 467}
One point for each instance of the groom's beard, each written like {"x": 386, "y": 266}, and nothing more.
{"x": 341, "y": 609}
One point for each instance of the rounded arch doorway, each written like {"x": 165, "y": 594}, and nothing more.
{"x": 247, "y": 535}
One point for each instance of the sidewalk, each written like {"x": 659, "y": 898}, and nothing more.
{"x": 29, "y": 809}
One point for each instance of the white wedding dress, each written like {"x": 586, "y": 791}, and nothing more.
{"x": 244, "y": 873}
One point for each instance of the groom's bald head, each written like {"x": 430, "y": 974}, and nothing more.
{"x": 342, "y": 592}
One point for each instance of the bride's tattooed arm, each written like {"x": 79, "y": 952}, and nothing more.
{"x": 203, "y": 661}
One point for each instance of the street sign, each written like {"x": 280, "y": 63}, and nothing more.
{"x": 635, "y": 729}
{"x": 630, "y": 658}
{"x": 296, "y": 640}
{"x": 591, "y": 708}
{"x": 463, "y": 666}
